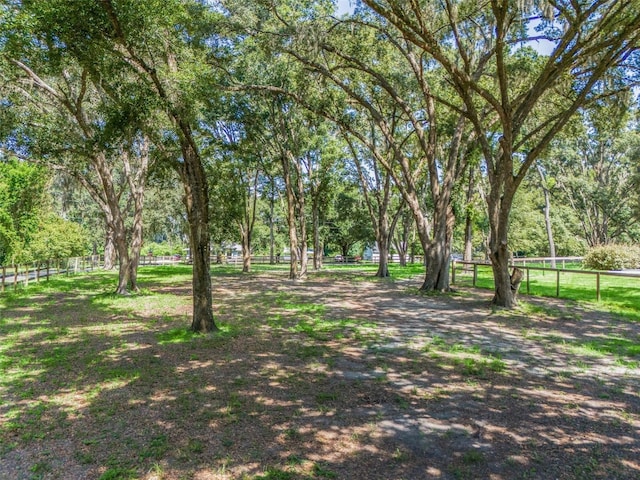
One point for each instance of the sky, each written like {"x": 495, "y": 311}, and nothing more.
{"x": 543, "y": 47}
{"x": 344, "y": 6}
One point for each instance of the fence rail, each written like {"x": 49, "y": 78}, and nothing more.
{"x": 598, "y": 275}
{"x": 546, "y": 260}
{"x": 13, "y": 276}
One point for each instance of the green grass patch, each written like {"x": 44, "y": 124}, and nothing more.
{"x": 619, "y": 295}
{"x": 612, "y": 345}
{"x": 118, "y": 473}
{"x": 176, "y": 335}
{"x": 480, "y": 367}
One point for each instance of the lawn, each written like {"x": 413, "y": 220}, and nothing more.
{"x": 618, "y": 294}
{"x": 339, "y": 376}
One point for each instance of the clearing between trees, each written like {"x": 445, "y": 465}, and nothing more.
{"x": 339, "y": 376}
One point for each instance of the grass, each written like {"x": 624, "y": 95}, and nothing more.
{"x": 619, "y": 295}
{"x": 75, "y": 358}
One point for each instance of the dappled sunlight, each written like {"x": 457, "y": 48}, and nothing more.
{"x": 194, "y": 365}
{"x": 320, "y": 379}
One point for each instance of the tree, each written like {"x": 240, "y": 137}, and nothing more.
{"x": 240, "y": 171}
{"x": 518, "y": 101}
{"x": 376, "y": 184}
{"x": 79, "y": 126}
{"x": 349, "y": 222}
{"x": 323, "y": 174}
{"x": 546, "y": 185}
{"x": 164, "y": 46}
{"x": 372, "y": 78}
{"x": 594, "y": 173}
{"x": 22, "y": 202}
{"x": 58, "y": 238}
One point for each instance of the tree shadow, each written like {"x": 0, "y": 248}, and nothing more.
{"x": 318, "y": 379}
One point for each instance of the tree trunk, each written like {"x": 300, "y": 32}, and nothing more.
{"x": 137, "y": 183}
{"x": 197, "y": 203}
{"x": 468, "y": 222}
{"x": 136, "y": 247}
{"x": 272, "y": 240}
{"x": 547, "y": 217}
{"x": 302, "y": 223}
{"x": 246, "y": 251}
{"x": 291, "y": 218}
{"x": 317, "y": 247}
{"x": 438, "y": 253}
{"x": 516, "y": 279}
{"x": 499, "y": 208}
{"x": 383, "y": 237}
{"x": 503, "y": 296}
{"x": 467, "y": 255}
{"x": 547, "y": 223}
{"x": 110, "y": 255}
{"x": 383, "y": 261}
{"x": 401, "y": 238}
{"x": 120, "y": 240}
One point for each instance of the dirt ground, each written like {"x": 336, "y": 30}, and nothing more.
{"x": 333, "y": 377}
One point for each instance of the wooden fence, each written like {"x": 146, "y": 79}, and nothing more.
{"x": 14, "y": 276}
{"x": 472, "y": 268}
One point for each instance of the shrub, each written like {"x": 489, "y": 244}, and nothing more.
{"x": 613, "y": 257}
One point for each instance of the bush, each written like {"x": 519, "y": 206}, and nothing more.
{"x": 613, "y": 257}
{"x": 163, "y": 249}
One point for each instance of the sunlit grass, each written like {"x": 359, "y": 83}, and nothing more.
{"x": 619, "y": 295}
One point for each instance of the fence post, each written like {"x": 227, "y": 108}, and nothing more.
{"x": 557, "y": 283}
{"x": 48, "y": 263}
{"x": 37, "y": 272}
{"x": 598, "y": 286}
{"x": 4, "y": 274}
{"x": 528, "y": 281}
{"x": 26, "y": 276}
{"x": 475, "y": 273}
{"x": 15, "y": 277}
{"x": 453, "y": 272}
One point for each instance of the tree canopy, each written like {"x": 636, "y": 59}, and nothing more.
{"x": 286, "y": 124}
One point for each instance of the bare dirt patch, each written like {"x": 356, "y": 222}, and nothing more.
{"x": 333, "y": 377}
